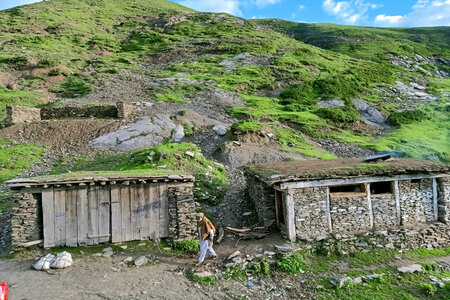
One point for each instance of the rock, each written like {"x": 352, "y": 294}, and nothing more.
{"x": 124, "y": 247}
{"x": 108, "y": 254}
{"x": 269, "y": 253}
{"x": 237, "y": 260}
{"x": 97, "y": 254}
{"x": 175, "y": 177}
{"x": 44, "y": 263}
{"x": 141, "y": 260}
{"x": 284, "y": 248}
{"x": 330, "y": 103}
{"x": 229, "y": 265}
{"x": 270, "y": 135}
{"x": 109, "y": 249}
{"x": 203, "y": 274}
{"x": 410, "y": 269}
{"x": 362, "y": 244}
{"x": 190, "y": 153}
{"x": 237, "y": 143}
{"x": 178, "y": 133}
{"x": 357, "y": 279}
{"x": 434, "y": 279}
{"x": 220, "y": 129}
{"x": 234, "y": 254}
{"x": 339, "y": 282}
{"x": 372, "y": 276}
{"x": 247, "y": 214}
{"x": 62, "y": 260}
{"x": 128, "y": 259}
{"x": 141, "y": 244}
{"x": 114, "y": 269}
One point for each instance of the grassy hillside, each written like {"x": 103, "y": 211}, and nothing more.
{"x": 280, "y": 69}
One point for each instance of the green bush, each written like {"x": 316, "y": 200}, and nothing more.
{"x": 54, "y": 72}
{"x": 293, "y": 264}
{"x": 186, "y": 246}
{"x": 208, "y": 280}
{"x": 19, "y": 60}
{"x": 339, "y": 114}
{"x": 44, "y": 63}
{"x": 428, "y": 288}
{"x": 408, "y": 116}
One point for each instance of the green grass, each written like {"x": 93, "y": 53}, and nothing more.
{"x": 293, "y": 264}
{"x": 374, "y": 257}
{"x": 15, "y": 159}
{"x": 247, "y": 126}
{"x": 210, "y": 177}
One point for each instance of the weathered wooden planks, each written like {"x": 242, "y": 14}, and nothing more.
{"x": 48, "y": 216}
{"x": 127, "y": 233}
{"x": 82, "y": 215}
{"x": 71, "y": 218}
{"x": 154, "y": 211}
{"x": 60, "y": 217}
{"x": 93, "y": 215}
{"x": 116, "y": 216}
{"x": 163, "y": 211}
{"x": 104, "y": 215}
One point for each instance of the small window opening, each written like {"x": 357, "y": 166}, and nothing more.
{"x": 381, "y": 188}
{"x": 415, "y": 180}
{"x": 351, "y": 188}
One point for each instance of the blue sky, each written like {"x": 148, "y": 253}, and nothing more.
{"x": 384, "y": 13}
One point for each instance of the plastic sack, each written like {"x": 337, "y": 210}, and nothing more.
{"x": 4, "y": 291}
{"x": 63, "y": 260}
{"x": 44, "y": 263}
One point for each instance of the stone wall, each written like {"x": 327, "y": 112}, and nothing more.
{"x": 349, "y": 214}
{"x": 124, "y": 110}
{"x": 384, "y": 211}
{"x": 429, "y": 236}
{"x": 311, "y": 212}
{"x": 443, "y": 187}
{"x": 5, "y": 230}
{"x": 182, "y": 222}
{"x": 26, "y": 218}
{"x": 97, "y": 111}
{"x": 19, "y": 114}
{"x": 264, "y": 198}
{"x": 416, "y": 201}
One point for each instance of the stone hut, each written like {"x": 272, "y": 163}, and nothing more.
{"x": 313, "y": 200}
{"x": 89, "y": 210}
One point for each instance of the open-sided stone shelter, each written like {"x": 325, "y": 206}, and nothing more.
{"x": 311, "y": 200}
{"x": 88, "y": 210}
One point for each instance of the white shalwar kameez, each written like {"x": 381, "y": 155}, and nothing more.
{"x": 205, "y": 245}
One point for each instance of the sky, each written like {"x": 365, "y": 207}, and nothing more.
{"x": 381, "y": 13}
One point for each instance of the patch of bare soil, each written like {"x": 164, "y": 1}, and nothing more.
{"x": 64, "y": 136}
{"x": 109, "y": 278}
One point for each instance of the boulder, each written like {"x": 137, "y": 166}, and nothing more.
{"x": 410, "y": 269}
{"x": 141, "y": 260}
{"x": 220, "y": 129}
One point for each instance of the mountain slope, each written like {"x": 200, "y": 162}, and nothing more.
{"x": 384, "y": 83}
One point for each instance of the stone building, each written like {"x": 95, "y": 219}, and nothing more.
{"x": 89, "y": 210}
{"x": 313, "y": 200}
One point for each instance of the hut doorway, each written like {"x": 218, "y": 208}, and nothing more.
{"x": 280, "y": 208}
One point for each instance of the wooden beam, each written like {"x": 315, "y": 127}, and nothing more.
{"x": 435, "y": 200}
{"x": 29, "y": 244}
{"x": 330, "y": 225}
{"x": 290, "y": 216}
{"x": 369, "y": 205}
{"x": 328, "y": 182}
{"x": 397, "y": 202}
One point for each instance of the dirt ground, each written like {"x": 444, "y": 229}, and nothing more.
{"x": 93, "y": 277}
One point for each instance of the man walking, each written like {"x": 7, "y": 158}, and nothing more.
{"x": 206, "y": 231}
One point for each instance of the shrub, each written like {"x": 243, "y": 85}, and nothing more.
{"x": 54, "y": 72}
{"x": 208, "y": 280}
{"x": 293, "y": 264}
{"x": 47, "y": 63}
{"x": 428, "y": 288}
{"x": 186, "y": 246}
{"x": 339, "y": 114}
{"x": 72, "y": 87}
{"x": 408, "y": 116}
{"x": 19, "y": 60}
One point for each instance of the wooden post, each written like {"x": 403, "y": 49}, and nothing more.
{"x": 369, "y": 203}
{"x": 397, "y": 202}
{"x": 290, "y": 216}
{"x": 435, "y": 200}
{"x": 330, "y": 225}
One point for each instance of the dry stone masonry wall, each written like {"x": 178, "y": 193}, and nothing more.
{"x": 416, "y": 201}
{"x": 264, "y": 198}
{"x": 443, "y": 187}
{"x": 19, "y": 114}
{"x": 311, "y": 212}
{"x": 181, "y": 212}
{"x": 5, "y": 230}
{"x": 349, "y": 214}
{"x": 26, "y": 218}
{"x": 384, "y": 210}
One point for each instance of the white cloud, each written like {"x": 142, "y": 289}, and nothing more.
{"x": 263, "y": 3}
{"x": 424, "y": 13}
{"x": 300, "y": 7}
{"x": 351, "y": 12}
{"x": 227, "y": 6}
